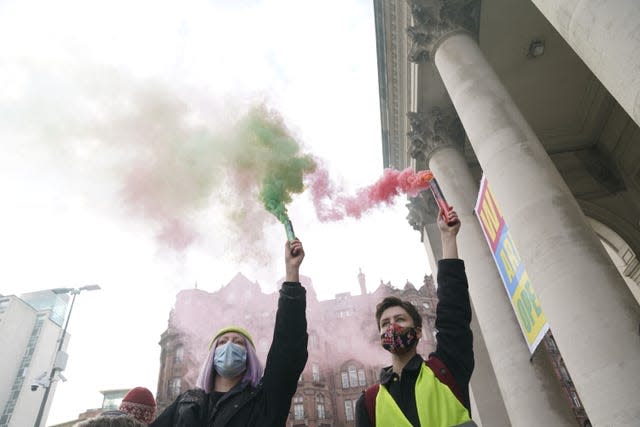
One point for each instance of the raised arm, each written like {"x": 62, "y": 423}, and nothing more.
{"x": 453, "y": 314}
{"x": 288, "y": 353}
{"x": 449, "y": 234}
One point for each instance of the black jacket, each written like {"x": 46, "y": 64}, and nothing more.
{"x": 268, "y": 404}
{"x": 454, "y": 346}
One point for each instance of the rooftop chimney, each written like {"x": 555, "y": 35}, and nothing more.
{"x": 363, "y": 283}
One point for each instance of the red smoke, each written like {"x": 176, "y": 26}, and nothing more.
{"x": 333, "y": 204}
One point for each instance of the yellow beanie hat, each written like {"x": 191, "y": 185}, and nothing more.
{"x": 236, "y": 329}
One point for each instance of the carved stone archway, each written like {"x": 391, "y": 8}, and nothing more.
{"x": 621, "y": 254}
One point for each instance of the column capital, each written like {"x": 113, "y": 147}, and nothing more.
{"x": 432, "y": 131}
{"x": 433, "y": 20}
{"x": 422, "y": 211}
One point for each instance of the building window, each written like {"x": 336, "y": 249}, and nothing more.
{"x": 362, "y": 380}
{"x": 353, "y": 376}
{"x": 4, "y": 303}
{"x": 344, "y": 313}
{"x": 174, "y": 387}
{"x": 313, "y": 341}
{"x": 301, "y": 379}
{"x": 298, "y": 407}
{"x": 179, "y": 356}
{"x": 575, "y": 399}
{"x": 111, "y": 403}
{"x": 315, "y": 371}
{"x": 320, "y": 407}
{"x": 348, "y": 410}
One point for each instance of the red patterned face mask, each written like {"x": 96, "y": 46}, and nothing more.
{"x": 397, "y": 339}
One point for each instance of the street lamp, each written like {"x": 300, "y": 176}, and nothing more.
{"x": 60, "y": 361}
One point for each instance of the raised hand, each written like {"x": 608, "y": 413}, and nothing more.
{"x": 448, "y": 233}
{"x": 293, "y": 256}
{"x": 451, "y": 218}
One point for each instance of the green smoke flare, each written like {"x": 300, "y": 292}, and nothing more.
{"x": 279, "y": 161}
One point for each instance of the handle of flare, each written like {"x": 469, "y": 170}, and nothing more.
{"x": 288, "y": 228}
{"x": 441, "y": 201}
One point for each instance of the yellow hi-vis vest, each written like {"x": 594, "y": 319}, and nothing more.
{"x": 436, "y": 403}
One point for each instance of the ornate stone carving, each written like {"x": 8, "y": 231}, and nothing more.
{"x": 422, "y": 211}
{"x": 433, "y": 19}
{"x": 417, "y": 135}
{"x": 439, "y": 128}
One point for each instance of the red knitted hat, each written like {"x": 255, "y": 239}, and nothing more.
{"x": 140, "y": 403}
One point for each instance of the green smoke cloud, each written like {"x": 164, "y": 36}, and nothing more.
{"x": 274, "y": 154}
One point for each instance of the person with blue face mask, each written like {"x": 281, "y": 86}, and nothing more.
{"x": 230, "y": 359}
{"x": 232, "y": 389}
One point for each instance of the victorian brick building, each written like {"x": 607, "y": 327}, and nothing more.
{"x": 344, "y": 352}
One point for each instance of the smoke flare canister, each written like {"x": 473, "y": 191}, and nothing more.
{"x": 288, "y": 228}
{"x": 440, "y": 200}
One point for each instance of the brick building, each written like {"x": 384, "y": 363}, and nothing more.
{"x": 344, "y": 352}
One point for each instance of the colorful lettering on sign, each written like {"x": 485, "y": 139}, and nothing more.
{"x": 528, "y": 308}
{"x": 508, "y": 260}
{"x": 510, "y": 257}
{"x": 490, "y": 217}
{"x": 512, "y": 270}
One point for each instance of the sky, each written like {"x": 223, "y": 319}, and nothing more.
{"x": 95, "y": 92}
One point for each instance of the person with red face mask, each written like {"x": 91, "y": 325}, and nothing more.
{"x": 414, "y": 392}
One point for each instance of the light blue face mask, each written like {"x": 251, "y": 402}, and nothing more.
{"x": 230, "y": 360}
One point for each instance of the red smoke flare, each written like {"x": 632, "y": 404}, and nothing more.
{"x": 333, "y": 204}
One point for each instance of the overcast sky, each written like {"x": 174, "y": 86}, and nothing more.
{"x": 69, "y": 65}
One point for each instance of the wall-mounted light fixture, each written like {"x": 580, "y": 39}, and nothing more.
{"x": 536, "y": 48}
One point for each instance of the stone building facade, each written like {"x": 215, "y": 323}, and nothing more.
{"x": 344, "y": 352}
{"x": 30, "y": 327}
{"x": 542, "y": 98}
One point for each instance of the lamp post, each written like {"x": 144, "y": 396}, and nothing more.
{"x": 47, "y": 387}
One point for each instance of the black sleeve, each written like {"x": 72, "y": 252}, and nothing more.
{"x": 165, "y": 419}
{"x": 362, "y": 416}
{"x": 288, "y": 353}
{"x": 187, "y": 410}
{"x": 453, "y": 318}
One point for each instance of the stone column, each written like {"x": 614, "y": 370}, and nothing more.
{"x": 606, "y": 36}
{"x": 423, "y": 211}
{"x": 530, "y": 399}
{"x": 592, "y": 314}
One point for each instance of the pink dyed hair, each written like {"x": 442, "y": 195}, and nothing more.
{"x": 252, "y": 375}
